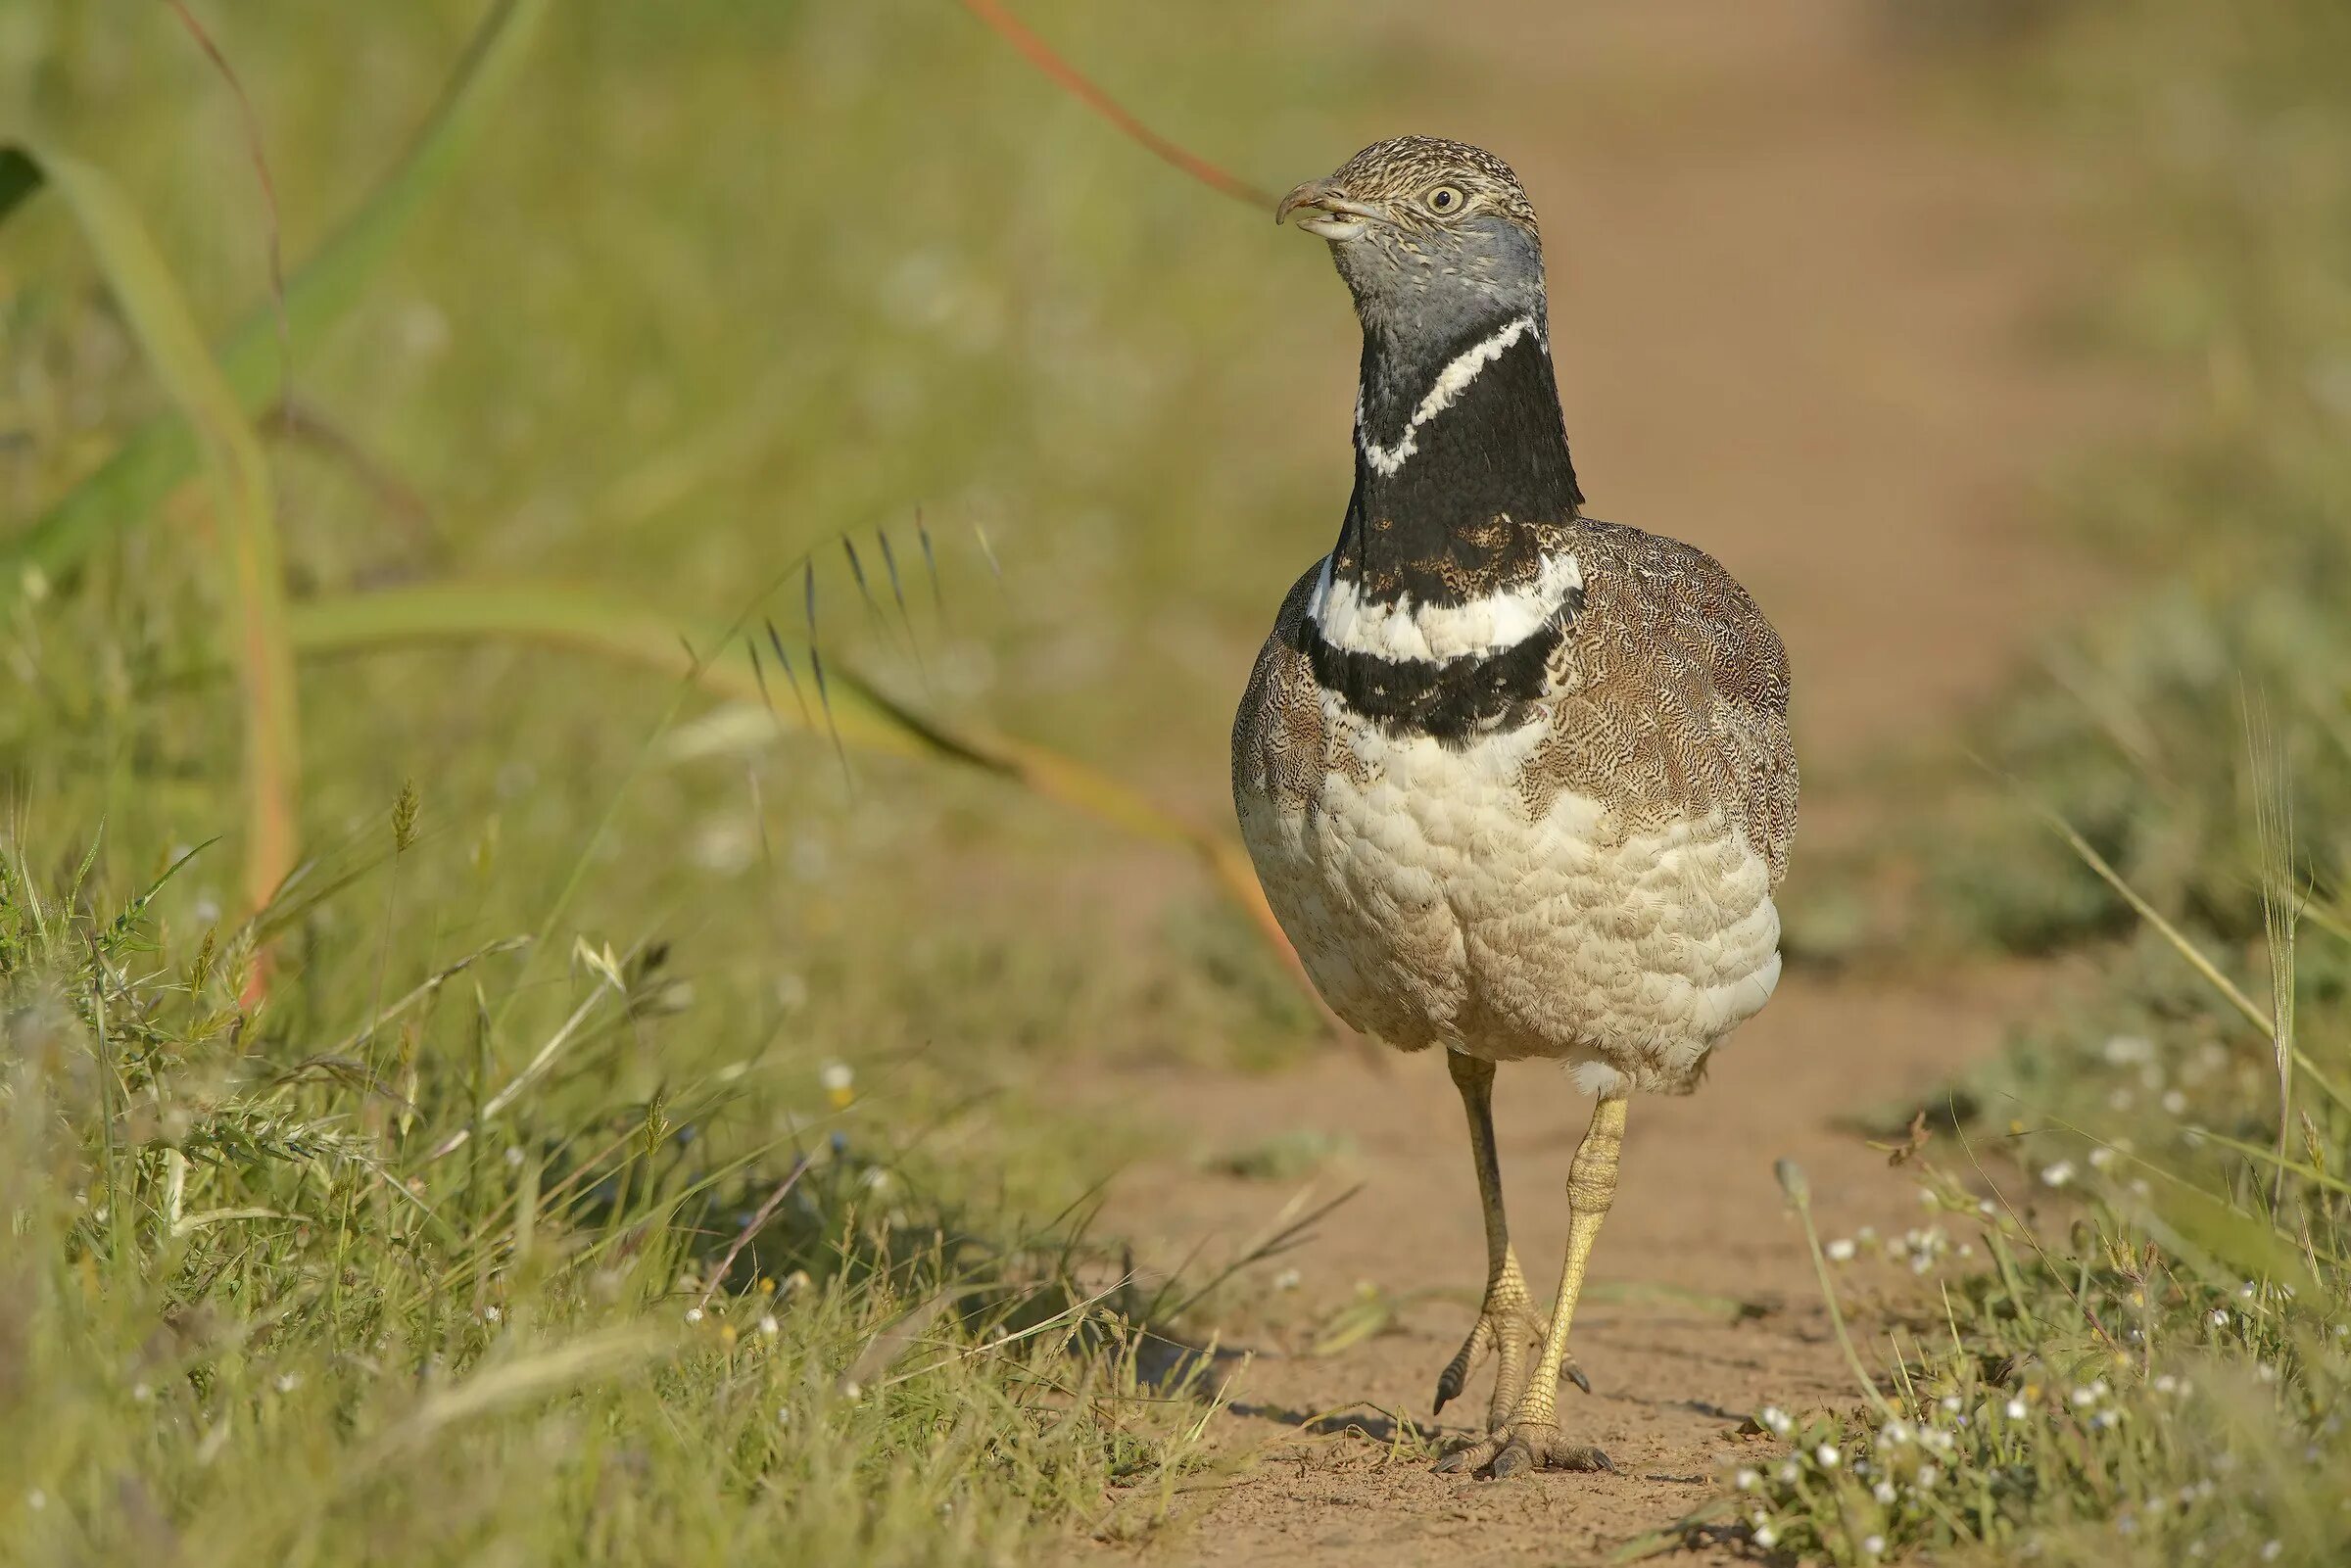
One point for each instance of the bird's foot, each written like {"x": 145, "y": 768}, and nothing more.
{"x": 1506, "y": 1326}
{"x": 1519, "y": 1445}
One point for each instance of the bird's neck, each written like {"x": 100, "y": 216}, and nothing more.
{"x": 1439, "y": 608}
{"x": 1459, "y": 449}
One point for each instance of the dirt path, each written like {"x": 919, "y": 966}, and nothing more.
{"x": 1791, "y": 311}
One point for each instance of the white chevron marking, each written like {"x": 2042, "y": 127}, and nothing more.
{"x": 1451, "y": 383}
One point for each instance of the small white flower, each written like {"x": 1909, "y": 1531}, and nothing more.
{"x": 1927, "y": 1474}
{"x": 2107, "y": 1420}
{"x": 1895, "y": 1432}
{"x": 1828, "y": 1455}
{"x": 1788, "y": 1472}
{"x": 2058, "y": 1173}
{"x": 2270, "y": 1550}
{"x": 1288, "y": 1279}
{"x": 36, "y": 1500}
{"x": 1882, "y": 1492}
{"x": 1841, "y": 1250}
{"x": 492, "y": 1313}
{"x": 1953, "y": 1403}
{"x": 694, "y": 1314}
{"x": 2220, "y": 1317}
{"x": 288, "y": 1382}
{"x": 1767, "y": 1537}
{"x": 2086, "y": 1395}
{"x": 768, "y": 1325}
{"x": 2100, "y": 1158}
{"x": 2167, "y": 1384}
{"x": 2174, "y": 1103}
{"x": 1747, "y": 1480}
{"x": 141, "y": 1392}
{"x": 1873, "y": 1545}
{"x": 2016, "y": 1409}
{"x": 783, "y": 1415}
{"x": 1776, "y": 1420}
{"x": 2264, "y": 1371}
{"x": 513, "y": 1157}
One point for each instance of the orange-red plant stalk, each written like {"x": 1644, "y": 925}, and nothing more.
{"x": 1041, "y": 54}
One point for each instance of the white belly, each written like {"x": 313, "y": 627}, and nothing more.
{"x": 1431, "y": 909}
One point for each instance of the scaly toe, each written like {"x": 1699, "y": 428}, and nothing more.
{"x": 1470, "y": 1459}
{"x": 1520, "y": 1447}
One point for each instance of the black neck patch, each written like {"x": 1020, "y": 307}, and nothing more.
{"x": 1447, "y": 526}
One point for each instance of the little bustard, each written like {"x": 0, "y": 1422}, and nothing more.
{"x": 1517, "y": 782}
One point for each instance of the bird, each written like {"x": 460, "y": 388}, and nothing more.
{"x": 1517, "y": 783}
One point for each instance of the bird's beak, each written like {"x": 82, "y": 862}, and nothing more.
{"x": 1326, "y": 210}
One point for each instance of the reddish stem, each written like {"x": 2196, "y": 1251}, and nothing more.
{"x": 1041, "y": 55}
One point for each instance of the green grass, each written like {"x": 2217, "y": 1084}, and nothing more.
{"x": 2136, "y": 1348}
{"x": 382, "y": 1227}
{"x": 267, "y": 1290}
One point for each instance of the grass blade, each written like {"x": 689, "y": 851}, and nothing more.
{"x": 256, "y": 148}
{"x": 2193, "y": 955}
{"x": 873, "y": 611}
{"x": 816, "y": 662}
{"x": 162, "y": 452}
{"x": 775, "y": 640}
{"x": 898, "y": 592}
{"x": 939, "y": 596}
{"x": 244, "y": 503}
{"x": 2280, "y": 907}
{"x": 856, "y": 713}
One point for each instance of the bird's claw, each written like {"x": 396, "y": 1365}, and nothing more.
{"x": 1509, "y": 1327}
{"x": 1520, "y": 1447}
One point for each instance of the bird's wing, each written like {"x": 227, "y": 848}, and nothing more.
{"x": 1277, "y": 733}
{"x": 1669, "y": 695}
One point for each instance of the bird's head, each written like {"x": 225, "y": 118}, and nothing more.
{"x": 1431, "y": 235}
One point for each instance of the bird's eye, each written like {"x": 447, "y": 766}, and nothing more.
{"x": 1444, "y": 199}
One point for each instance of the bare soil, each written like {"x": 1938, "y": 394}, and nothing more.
{"x": 1794, "y": 307}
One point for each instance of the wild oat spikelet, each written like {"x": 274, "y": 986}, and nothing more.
{"x": 404, "y": 817}
{"x": 207, "y": 951}
{"x": 656, "y": 1122}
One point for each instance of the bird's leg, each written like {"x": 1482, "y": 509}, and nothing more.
{"x": 1506, "y": 1319}
{"x": 1531, "y": 1436}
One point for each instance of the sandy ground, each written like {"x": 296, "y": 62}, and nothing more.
{"x": 1794, "y": 309}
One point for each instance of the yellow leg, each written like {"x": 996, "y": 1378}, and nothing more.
{"x": 1531, "y": 1436}
{"x": 1506, "y": 1321}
